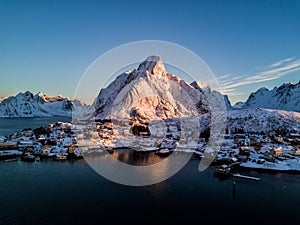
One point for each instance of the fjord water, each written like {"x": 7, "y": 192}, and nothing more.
{"x": 10, "y": 125}
{"x": 49, "y": 193}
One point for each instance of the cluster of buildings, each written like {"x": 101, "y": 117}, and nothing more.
{"x": 272, "y": 152}
{"x": 63, "y": 141}
{"x": 53, "y": 141}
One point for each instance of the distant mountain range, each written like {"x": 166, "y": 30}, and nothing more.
{"x": 39, "y": 105}
{"x": 148, "y": 93}
{"x": 285, "y": 97}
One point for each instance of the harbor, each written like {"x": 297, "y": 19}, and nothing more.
{"x": 62, "y": 141}
{"x": 48, "y": 171}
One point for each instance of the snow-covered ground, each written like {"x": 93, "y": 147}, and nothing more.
{"x": 287, "y": 165}
{"x": 262, "y": 120}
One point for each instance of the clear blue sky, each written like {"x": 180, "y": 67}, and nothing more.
{"x": 47, "y": 45}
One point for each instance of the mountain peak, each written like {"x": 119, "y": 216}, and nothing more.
{"x": 154, "y": 65}
{"x": 148, "y": 94}
{"x": 41, "y": 95}
{"x": 3, "y": 98}
{"x": 200, "y": 85}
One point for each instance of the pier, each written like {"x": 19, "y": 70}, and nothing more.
{"x": 224, "y": 170}
{"x": 245, "y": 177}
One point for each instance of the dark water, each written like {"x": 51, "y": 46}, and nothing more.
{"x": 50, "y": 193}
{"x": 10, "y": 125}
{"x": 72, "y": 193}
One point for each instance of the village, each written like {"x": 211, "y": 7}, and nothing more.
{"x": 66, "y": 141}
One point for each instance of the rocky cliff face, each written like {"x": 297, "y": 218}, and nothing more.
{"x": 214, "y": 97}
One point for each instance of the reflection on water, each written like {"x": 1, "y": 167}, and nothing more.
{"x": 130, "y": 167}
{"x": 30, "y": 192}
{"x": 233, "y": 189}
{"x": 132, "y": 157}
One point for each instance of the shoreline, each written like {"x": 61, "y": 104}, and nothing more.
{"x": 66, "y": 140}
{"x": 269, "y": 171}
{"x": 241, "y": 167}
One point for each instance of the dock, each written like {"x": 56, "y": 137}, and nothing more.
{"x": 245, "y": 177}
{"x": 223, "y": 171}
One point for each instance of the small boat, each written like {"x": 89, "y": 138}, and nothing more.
{"x": 222, "y": 171}
{"x": 28, "y": 158}
{"x": 11, "y": 160}
{"x": 60, "y": 157}
{"x": 110, "y": 150}
{"x": 164, "y": 152}
{"x": 198, "y": 155}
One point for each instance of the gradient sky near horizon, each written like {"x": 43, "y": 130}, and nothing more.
{"x": 47, "y": 45}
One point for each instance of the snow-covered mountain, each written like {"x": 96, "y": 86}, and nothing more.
{"x": 39, "y": 105}
{"x": 212, "y": 95}
{"x": 150, "y": 93}
{"x": 2, "y": 98}
{"x": 285, "y": 97}
{"x": 238, "y": 105}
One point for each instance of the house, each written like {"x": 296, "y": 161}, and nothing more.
{"x": 260, "y": 161}
{"x": 278, "y": 139}
{"x": 2, "y": 139}
{"x": 244, "y": 151}
{"x": 25, "y": 143}
{"x": 296, "y": 141}
{"x": 41, "y": 139}
{"x": 234, "y": 160}
{"x": 86, "y": 143}
{"x": 28, "y": 133}
{"x": 276, "y": 151}
{"x": 108, "y": 125}
{"x": 139, "y": 129}
{"x": 288, "y": 140}
{"x": 242, "y": 158}
{"x": 126, "y": 132}
{"x": 267, "y": 139}
{"x": 297, "y": 152}
{"x": 294, "y": 135}
{"x": 238, "y": 138}
{"x": 94, "y": 135}
{"x": 80, "y": 136}
{"x": 116, "y": 132}
{"x": 267, "y": 157}
{"x": 45, "y": 151}
{"x": 227, "y": 136}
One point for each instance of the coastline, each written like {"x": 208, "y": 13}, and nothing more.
{"x": 66, "y": 139}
